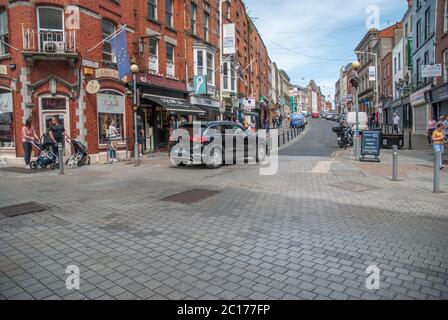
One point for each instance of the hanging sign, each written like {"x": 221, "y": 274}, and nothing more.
{"x": 93, "y": 87}
{"x": 372, "y": 73}
{"x": 229, "y": 42}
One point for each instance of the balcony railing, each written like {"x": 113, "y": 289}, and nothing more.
{"x": 49, "y": 42}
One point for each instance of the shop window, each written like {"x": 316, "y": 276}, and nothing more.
{"x": 153, "y": 55}
{"x": 4, "y": 33}
{"x": 169, "y": 60}
{"x": 108, "y": 29}
{"x": 51, "y": 26}
{"x": 110, "y": 106}
{"x": 6, "y": 120}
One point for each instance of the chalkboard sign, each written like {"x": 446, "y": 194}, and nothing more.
{"x": 370, "y": 143}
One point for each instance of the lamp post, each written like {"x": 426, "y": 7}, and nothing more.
{"x": 355, "y": 83}
{"x": 135, "y": 69}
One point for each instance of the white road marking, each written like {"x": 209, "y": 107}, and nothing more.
{"x": 322, "y": 167}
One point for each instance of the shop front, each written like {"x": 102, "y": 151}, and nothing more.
{"x": 160, "y": 115}
{"x": 209, "y": 106}
{"x": 421, "y": 111}
{"x": 438, "y": 97}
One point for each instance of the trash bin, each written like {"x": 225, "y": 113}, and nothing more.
{"x": 391, "y": 140}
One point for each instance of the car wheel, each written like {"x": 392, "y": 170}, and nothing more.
{"x": 261, "y": 152}
{"x": 34, "y": 165}
{"x": 177, "y": 163}
{"x": 213, "y": 158}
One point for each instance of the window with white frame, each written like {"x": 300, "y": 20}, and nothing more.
{"x": 204, "y": 64}
{"x": 153, "y": 55}
{"x": 169, "y": 8}
{"x": 229, "y": 76}
{"x": 4, "y": 33}
{"x": 50, "y": 26}
{"x": 169, "y": 60}
{"x": 399, "y": 61}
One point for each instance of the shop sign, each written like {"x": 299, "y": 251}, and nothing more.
{"x": 54, "y": 104}
{"x": 200, "y": 85}
{"x": 437, "y": 94}
{"x": 3, "y": 69}
{"x": 6, "y": 102}
{"x": 110, "y": 103}
{"x": 418, "y": 97}
{"x": 431, "y": 71}
{"x": 372, "y": 73}
{"x": 204, "y": 102}
{"x": 106, "y": 73}
{"x": 90, "y": 64}
{"x": 229, "y": 39}
{"x": 248, "y": 103}
{"x": 93, "y": 87}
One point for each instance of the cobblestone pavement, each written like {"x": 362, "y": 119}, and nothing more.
{"x": 304, "y": 233}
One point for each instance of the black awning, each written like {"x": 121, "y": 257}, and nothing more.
{"x": 173, "y": 104}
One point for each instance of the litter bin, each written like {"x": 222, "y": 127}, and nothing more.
{"x": 391, "y": 140}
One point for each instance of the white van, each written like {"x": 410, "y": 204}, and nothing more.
{"x": 362, "y": 118}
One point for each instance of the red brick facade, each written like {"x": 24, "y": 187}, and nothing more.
{"x": 30, "y": 77}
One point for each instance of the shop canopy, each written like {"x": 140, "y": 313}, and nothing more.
{"x": 173, "y": 104}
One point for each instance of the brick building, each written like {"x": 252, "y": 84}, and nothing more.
{"x": 52, "y": 51}
{"x": 45, "y": 70}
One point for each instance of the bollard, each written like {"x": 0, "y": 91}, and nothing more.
{"x": 287, "y": 134}
{"x": 437, "y": 159}
{"x": 410, "y": 140}
{"x": 61, "y": 158}
{"x": 278, "y": 136}
{"x": 395, "y": 164}
{"x": 283, "y": 133}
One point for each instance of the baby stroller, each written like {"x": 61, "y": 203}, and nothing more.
{"x": 46, "y": 157}
{"x": 80, "y": 157}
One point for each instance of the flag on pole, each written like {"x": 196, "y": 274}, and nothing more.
{"x": 120, "y": 51}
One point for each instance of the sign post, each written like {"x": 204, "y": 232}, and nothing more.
{"x": 370, "y": 146}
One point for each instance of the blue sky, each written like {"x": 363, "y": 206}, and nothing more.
{"x": 312, "y": 39}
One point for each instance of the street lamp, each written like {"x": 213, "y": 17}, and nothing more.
{"x": 135, "y": 69}
{"x": 355, "y": 83}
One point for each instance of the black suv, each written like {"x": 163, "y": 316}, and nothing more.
{"x": 214, "y": 144}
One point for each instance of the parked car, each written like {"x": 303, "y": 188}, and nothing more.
{"x": 297, "y": 121}
{"x": 329, "y": 116}
{"x": 315, "y": 115}
{"x": 362, "y": 118}
{"x": 205, "y": 143}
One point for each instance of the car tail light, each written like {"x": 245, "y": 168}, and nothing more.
{"x": 200, "y": 140}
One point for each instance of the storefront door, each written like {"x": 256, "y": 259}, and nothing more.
{"x": 55, "y": 107}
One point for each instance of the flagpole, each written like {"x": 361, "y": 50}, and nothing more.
{"x": 112, "y": 35}
{"x": 221, "y": 80}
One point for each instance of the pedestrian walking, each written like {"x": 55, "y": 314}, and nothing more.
{"x": 113, "y": 136}
{"x": 432, "y": 123}
{"x": 140, "y": 139}
{"x": 280, "y": 121}
{"x": 28, "y": 136}
{"x": 372, "y": 121}
{"x": 396, "y": 121}
{"x": 438, "y": 140}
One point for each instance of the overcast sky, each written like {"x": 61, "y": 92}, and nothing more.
{"x": 312, "y": 39}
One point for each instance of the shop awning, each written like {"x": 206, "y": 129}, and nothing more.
{"x": 173, "y": 104}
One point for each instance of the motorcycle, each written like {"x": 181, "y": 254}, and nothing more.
{"x": 344, "y": 136}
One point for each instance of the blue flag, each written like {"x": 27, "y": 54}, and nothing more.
{"x": 120, "y": 50}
